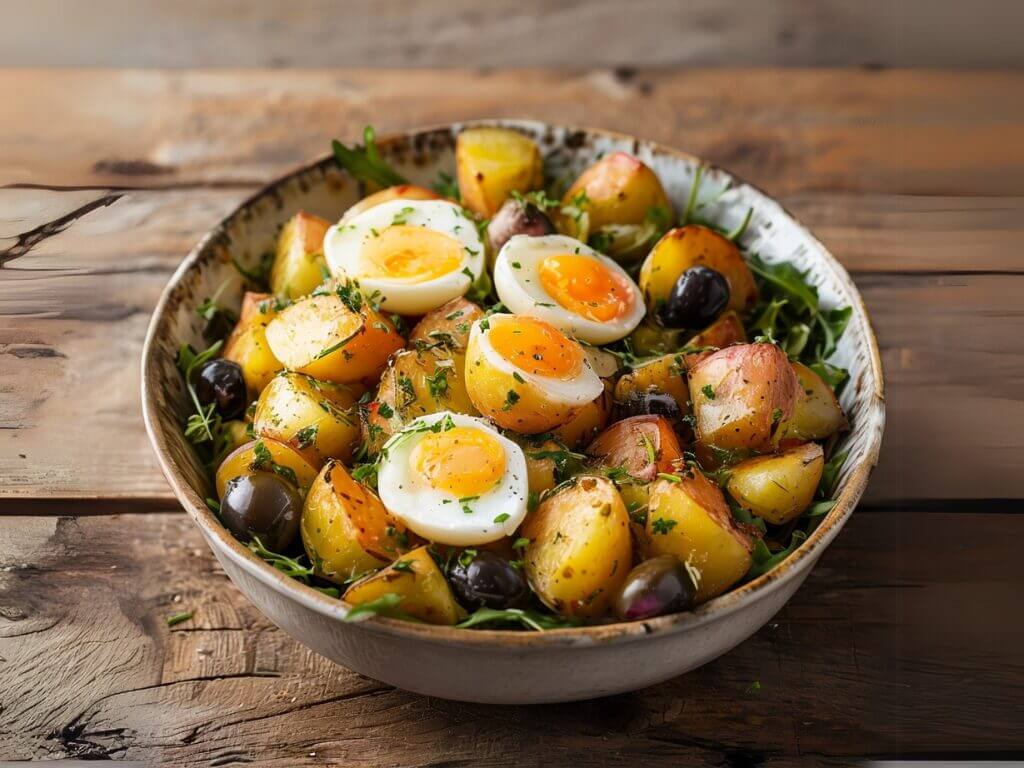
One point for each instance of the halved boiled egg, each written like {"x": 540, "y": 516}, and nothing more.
{"x": 525, "y": 374}
{"x": 410, "y": 256}
{"x": 454, "y": 479}
{"x": 570, "y": 285}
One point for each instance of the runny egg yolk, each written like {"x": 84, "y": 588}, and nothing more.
{"x": 584, "y": 285}
{"x": 536, "y": 347}
{"x": 410, "y": 254}
{"x": 461, "y": 461}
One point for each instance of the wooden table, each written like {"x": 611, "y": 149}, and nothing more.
{"x": 907, "y": 638}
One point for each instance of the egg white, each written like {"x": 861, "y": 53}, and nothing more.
{"x": 582, "y": 389}
{"x": 344, "y": 242}
{"x": 439, "y": 516}
{"x": 518, "y": 284}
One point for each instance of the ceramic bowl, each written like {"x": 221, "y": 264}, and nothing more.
{"x": 502, "y": 666}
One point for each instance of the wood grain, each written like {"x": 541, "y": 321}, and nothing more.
{"x": 950, "y": 133}
{"x": 501, "y": 33}
{"x": 864, "y": 661}
{"x": 75, "y": 308}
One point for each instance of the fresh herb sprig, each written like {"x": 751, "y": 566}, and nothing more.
{"x": 365, "y": 164}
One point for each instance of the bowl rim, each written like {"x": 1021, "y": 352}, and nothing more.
{"x": 223, "y": 543}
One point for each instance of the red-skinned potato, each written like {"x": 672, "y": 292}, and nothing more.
{"x": 741, "y": 395}
{"x": 691, "y": 246}
{"x": 780, "y": 487}
{"x": 448, "y": 325}
{"x": 641, "y": 445}
{"x": 725, "y": 331}
{"x": 618, "y": 189}
{"x": 689, "y": 518}
{"x": 397, "y": 192}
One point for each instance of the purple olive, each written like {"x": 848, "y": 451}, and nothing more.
{"x": 698, "y": 297}
{"x": 655, "y": 587}
{"x": 486, "y": 579}
{"x": 651, "y": 402}
{"x": 264, "y": 505}
{"x": 221, "y": 381}
{"x": 517, "y": 217}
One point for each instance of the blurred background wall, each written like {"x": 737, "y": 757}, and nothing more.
{"x": 511, "y": 33}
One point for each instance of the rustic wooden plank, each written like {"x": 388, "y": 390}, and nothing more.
{"x": 76, "y": 305}
{"x": 786, "y": 130}
{"x": 906, "y": 638}
{"x": 405, "y": 33}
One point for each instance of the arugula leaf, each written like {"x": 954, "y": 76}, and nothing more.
{"x": 287, "y": 565}
{"x": 365, "y": 164}
{"x": 529, "y": 619}
{"x": 446, "y": 186}
{"x": 764, "y": 560}
{"x": 830, "y": 475}
{"x": 385, "y": 605}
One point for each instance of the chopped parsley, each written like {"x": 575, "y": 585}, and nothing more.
{"x": 661, "y": 525}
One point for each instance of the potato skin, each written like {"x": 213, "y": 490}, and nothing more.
{"x": 491, "y": 163}
{"x": 580, "y": 548}
{"x": 778, "y": 488}
{"x": 619, "y": 189}
{"x": 243, "y": 460}
{"x": 630, "y": 443}
{"x": 317, "y": 418}
{"x": 690, "y": 246}
{"x": 666, "y": 375}
{"x": 345, "y": 528}
{"x": 415, "y": 383}
{"x": 324, "y": 337}
{"x": 725, "y": 331}
{"x": 247, "y": 344}
{"x": 299, "y": 264}
{"x": 691, "y": 520}
{"x": 419, "y": 582}
{"x": 741, "y": 394}
{"x": 448, "y": 325}
{"x": 816, "y": 413}
{"x": 397, "y": 192}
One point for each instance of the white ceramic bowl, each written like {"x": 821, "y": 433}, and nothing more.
{"x": 502, "y": 666}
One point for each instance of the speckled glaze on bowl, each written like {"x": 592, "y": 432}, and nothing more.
{"x": 502, "y": 666}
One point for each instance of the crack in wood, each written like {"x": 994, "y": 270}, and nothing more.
{"x": 29, "y": 240}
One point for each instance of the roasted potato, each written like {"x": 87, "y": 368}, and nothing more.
{"x": 741, "y": 395}
{"x": 265, "y": 455}
{"x": 588, "y": 421}
{"x": 335, "y": 336}
{"x": 317, "y": 418}
{"x": 299, "y": 264}
{"x": 492, "y": 163}
{"x": 650, "y": 338}
{"x": 616, "y": 190}
{"x": 666, "y": 375}
{"x": 447, "y": 326}
{"x": 580, "y": 549}
{"x": 398, "y": 192}
{"x": 816, "y": 413}
{"x": 345, "y": 528}
{"x": 416, "y": 383}
{"x": 415, "y": 578}
{"x": 541, "y": 467}
{"x": 689, "y": 518}
{"x": 247, "y": 345}
{"x": 778, "y": 488}
{"x": 725, "y": 331}
{"x": 690, "y": 246}
{"x": 642, "y": 446}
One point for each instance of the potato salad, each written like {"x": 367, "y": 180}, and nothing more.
{"x": 516, "y": 399}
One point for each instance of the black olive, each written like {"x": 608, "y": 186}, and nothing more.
{"x": 517, "y": 217}
{"x": 651, "y": 402}
{"x": 485, "y": 579}
{"x": 655, "y": 587}
{"x": 220, "y": 381}
{"x": 262, "y": 504}
{"x": 698, "y": 297}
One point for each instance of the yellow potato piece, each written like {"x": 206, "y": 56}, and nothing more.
{"x": 690, "y": 519}
{"x": 417, "y": 580}
{"x": 265, "y": 455}
{"x": 580, "y": 548}
{"x": 778, "y": 488}
{"x": 492, "y": 163}
{"x": 587, "y": 422}
{"x": 247, "y": 345}
{"x": 345, "y": 528}
{"x": 666, "y": 375}
{"x": 299, "y": 264}
{"x": 816, "y": 412}
{"x": 691, "y": 246}
{"x": 324, "y": 336}
{"x": 317, "y": 418}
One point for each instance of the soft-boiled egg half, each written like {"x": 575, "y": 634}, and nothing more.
{"x": 454, "y": 479}
{"x": 525, "y": 374}
{"x": 569, "y": 284}
{"x": 410, "y": 256}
